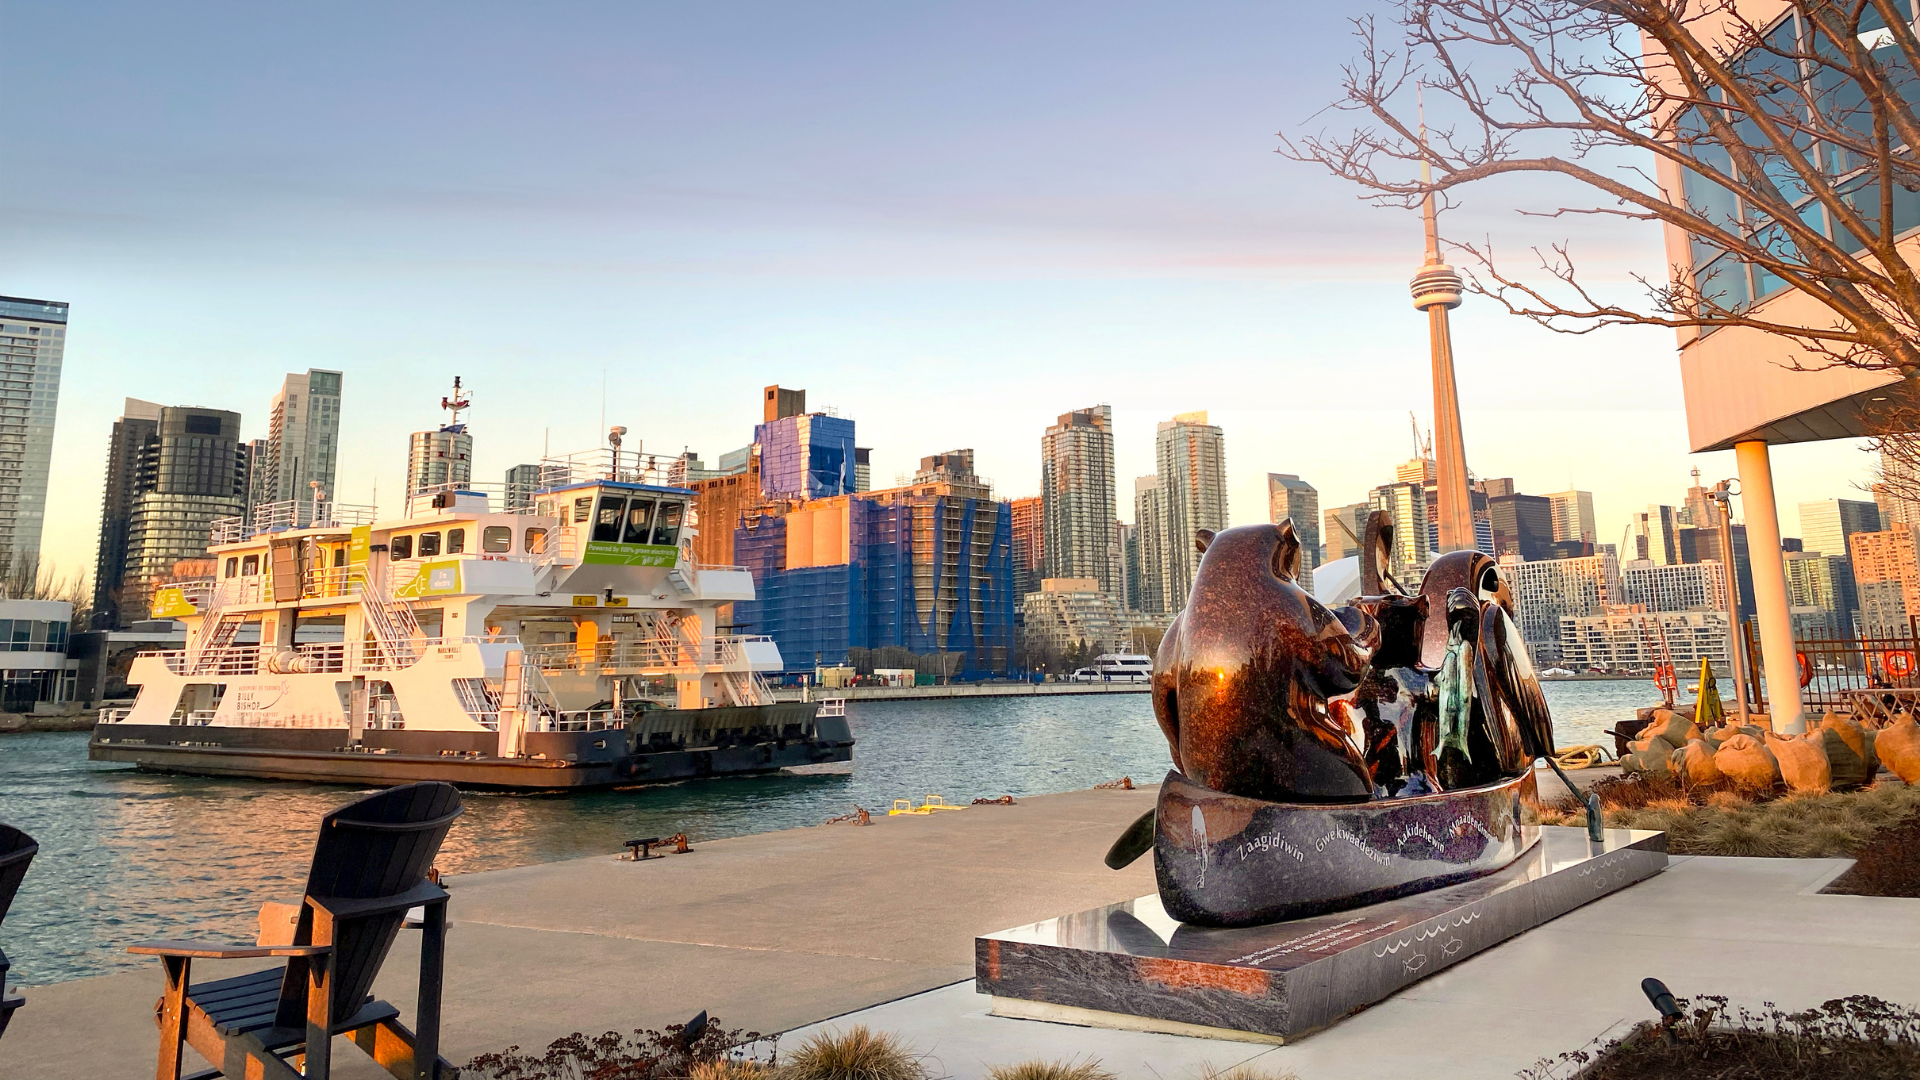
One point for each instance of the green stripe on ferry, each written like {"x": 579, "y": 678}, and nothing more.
{"x": 606, "y": 553}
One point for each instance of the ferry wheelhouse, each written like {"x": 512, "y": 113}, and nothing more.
{"x": 571, "y": 642}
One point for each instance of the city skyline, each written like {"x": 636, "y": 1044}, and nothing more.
{"x": 1016, "y": 253}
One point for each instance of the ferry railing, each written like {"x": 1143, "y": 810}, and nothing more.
{"x": 288, "y": 514}
{"x": 332, "y": 581}
{"x": 583, "y": 720}
{"x": 319, "y": 657}
{"x": 114, "y": 716}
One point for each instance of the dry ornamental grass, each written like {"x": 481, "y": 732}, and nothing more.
{"x": 1832, "y": 825}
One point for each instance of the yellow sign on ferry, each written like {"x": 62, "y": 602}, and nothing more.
{"x": 438, "y": 578}
{"x": 171, "y": 603}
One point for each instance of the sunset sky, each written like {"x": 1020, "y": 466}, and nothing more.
{"x": 950, "y": 222}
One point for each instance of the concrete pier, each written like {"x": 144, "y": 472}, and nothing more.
{"x": 766, "y": 932}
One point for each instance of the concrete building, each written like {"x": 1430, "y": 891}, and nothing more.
{"x": 721, "y": 503}
{"x": 1029, "y": 544}
{"x": 1573, "y": 516}
{"x": 1680, "y": 587}
{"x": 1826, "y": 525}
{"x": 303, "y": 438}
{"x": 1289, "y": 497}
{"x": 1411, "y": 551}
{"x": 35, "y": 668}
{"x": 1130, "y": 565}
{"x": 1150, "y": 540}
{"x": 1892, "y": 555}
{"x": 862, "y": 468}
{"x": 170, "y": 473}
{"x": 1074, "y": 613}
{"x": 438, "y": 458}
{"x": 1624, "y": 638}
{"x": 1883, "y": 610}
{"x": 1190, "y": 456}
{"x": 955, "y": 469}
{"x": 1547, "y": 591}
{"x": 33, "y": 340}
{"x": 1077, "y": 496}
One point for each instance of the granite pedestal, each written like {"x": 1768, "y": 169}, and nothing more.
{"x": 1131, "y": 965}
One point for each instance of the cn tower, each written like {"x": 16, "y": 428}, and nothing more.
{"x": 1436, "y": 290}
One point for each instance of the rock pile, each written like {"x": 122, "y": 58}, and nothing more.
{"x": 1838, "y": 755}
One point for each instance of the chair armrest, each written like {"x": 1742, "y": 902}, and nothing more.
{"x": 424, "y": 893}
{"x": 210, "y": 950}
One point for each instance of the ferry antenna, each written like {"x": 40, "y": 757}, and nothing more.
{"x": 454, "y": 404}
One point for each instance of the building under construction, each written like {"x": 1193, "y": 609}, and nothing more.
{"x": 927, "y": 568}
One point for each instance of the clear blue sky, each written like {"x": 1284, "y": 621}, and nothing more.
{"x": 952, "y": 222}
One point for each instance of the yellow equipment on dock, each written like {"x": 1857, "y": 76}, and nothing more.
{"x": 933, "y": 804}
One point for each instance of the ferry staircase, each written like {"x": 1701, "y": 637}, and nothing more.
{"x": 217, "y": 630}
{"x": 392, "y": 622}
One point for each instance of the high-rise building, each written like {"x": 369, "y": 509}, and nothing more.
{"x": 1421, "y": 470}
{"x": 1150, "y": 537}
{"x": 171, "y": 472}
{"x": 862, "y": 469}
{"x": 1342, "y": 529}
{"x": 522, "y": 482}
{"x": 1825, "y": 583}
{"x": 437, "y": 458}
{"x": 259, "y": 473}
{"x": 1883, "y": 610}
{"x": 1077, "y": 496}
{"x": 33, "y": 339}
{"x": 1698, "y": 586}
{"x": 1573, "y": 516}
{"x": 1125, "y": 575}
{"x": 1653, "y": 536}
{"x": 1623, "y": 639}
{"x": 1706, "y": 546}
{"x": 1412, "y": 548}
{"x": 1288, "y": 496}
{"x": 303, "y": 437}
{"x": 1825, "y": 526}
{"x": 1548, "y": 591}
{"x": 1889, "y": 555}
{"x": 1522, "y": 524}
{"x": 1029, "y": 544}
{"x": 955, "y": 469}
{"x": 138, "y": 424}
{"x": 805, "y": 455}
{"x": 1191, "y": 459}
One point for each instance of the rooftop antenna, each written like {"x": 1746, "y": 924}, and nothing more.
{"x": 613, "y": 440}
{"x": 455, "y": 404}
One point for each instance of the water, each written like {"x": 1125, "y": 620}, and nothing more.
{"x": 126, "y": 856}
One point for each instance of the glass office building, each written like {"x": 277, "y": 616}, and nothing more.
{"x": 33, "y": 340}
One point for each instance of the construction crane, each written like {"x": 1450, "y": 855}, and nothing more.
{"x": 1421, "y": 450}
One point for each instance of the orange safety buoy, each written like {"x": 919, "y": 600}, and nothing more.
{"x": 1806, "y": 668}
{"x": 1897, "y": 662}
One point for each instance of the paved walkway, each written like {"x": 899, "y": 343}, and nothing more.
{"x": 767, "y": 932}
{"x": 1754, "y": 930}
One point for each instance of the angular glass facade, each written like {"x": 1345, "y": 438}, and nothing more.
{"x": 33, "y": 340}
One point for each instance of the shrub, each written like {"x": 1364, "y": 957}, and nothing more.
{"x": 1051, "y": 1070}
{"x": 1246, "y": 1070}
{"x": 855, "y": 1054}
{"x": 644, "y": 1055}
{"x": 1855, "y": 1037}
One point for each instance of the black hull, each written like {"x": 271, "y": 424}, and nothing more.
{"x": 572, "y": 760}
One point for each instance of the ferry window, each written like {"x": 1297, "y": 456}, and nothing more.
{"x": 606, "y": 526}
{"x": 429, "y": 544}
{"x": 544, "y": 507}
{"x": 400, "y": 547}
{"x": 250, "y": 565}
{"x": 666, "y": 529}
{"x": 456, "y": 541}
{"x": 233, "y": 566}
{"x": 340, "y": 556}
{"x": 639, "y": 520}
{"x": 495, "y": 539}
{"x": 583, "y": 508}
{"x": 536, "y": 541}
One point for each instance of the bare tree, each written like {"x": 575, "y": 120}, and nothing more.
{"x": 1784, "y": 147}
{"x": 24, "y": 577}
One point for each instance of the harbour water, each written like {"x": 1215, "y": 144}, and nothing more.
{"x": 126, "y": 856}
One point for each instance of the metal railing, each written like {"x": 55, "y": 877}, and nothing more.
{"x": 333, "y": 581}
{"x": 646, "y": 654}
{"x": 1855, "y": 674}
{"x": 290, "y": 514}
{"x": 311, "y": 658}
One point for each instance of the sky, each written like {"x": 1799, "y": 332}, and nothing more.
{"x": 949, "y": 222}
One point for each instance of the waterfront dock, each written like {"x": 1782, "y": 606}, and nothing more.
{"x": 766, "y": 932}
{"x": 961, "y": 690}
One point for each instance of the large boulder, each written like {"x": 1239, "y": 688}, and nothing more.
{"x": 1747, "y": 765}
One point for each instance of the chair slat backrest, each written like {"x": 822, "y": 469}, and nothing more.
{"x": 16, "y": 851}
{"x": 380, "y": 846}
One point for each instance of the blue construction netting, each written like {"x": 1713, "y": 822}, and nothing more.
{"x": 816, "y": 614}
{"x": 806, "y": 457}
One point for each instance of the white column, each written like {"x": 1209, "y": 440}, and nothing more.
{"x": 1769, "y": 588}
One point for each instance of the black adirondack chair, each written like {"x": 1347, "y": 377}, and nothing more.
{"x": 369, "y": 867}
{"x": 16, "y": 851}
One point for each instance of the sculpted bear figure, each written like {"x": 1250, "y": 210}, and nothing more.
{"x": 1244, "y": 674}
{"x": 1396, "y": 707}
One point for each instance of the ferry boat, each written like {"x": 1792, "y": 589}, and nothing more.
{"x": 569, "y": 643}
{"x": 1116, "y": 667}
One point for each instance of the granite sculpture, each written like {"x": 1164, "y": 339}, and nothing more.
{"x": 1325, "y": 758}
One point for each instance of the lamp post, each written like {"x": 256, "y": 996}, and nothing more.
{"x": 1722, "y": 494}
